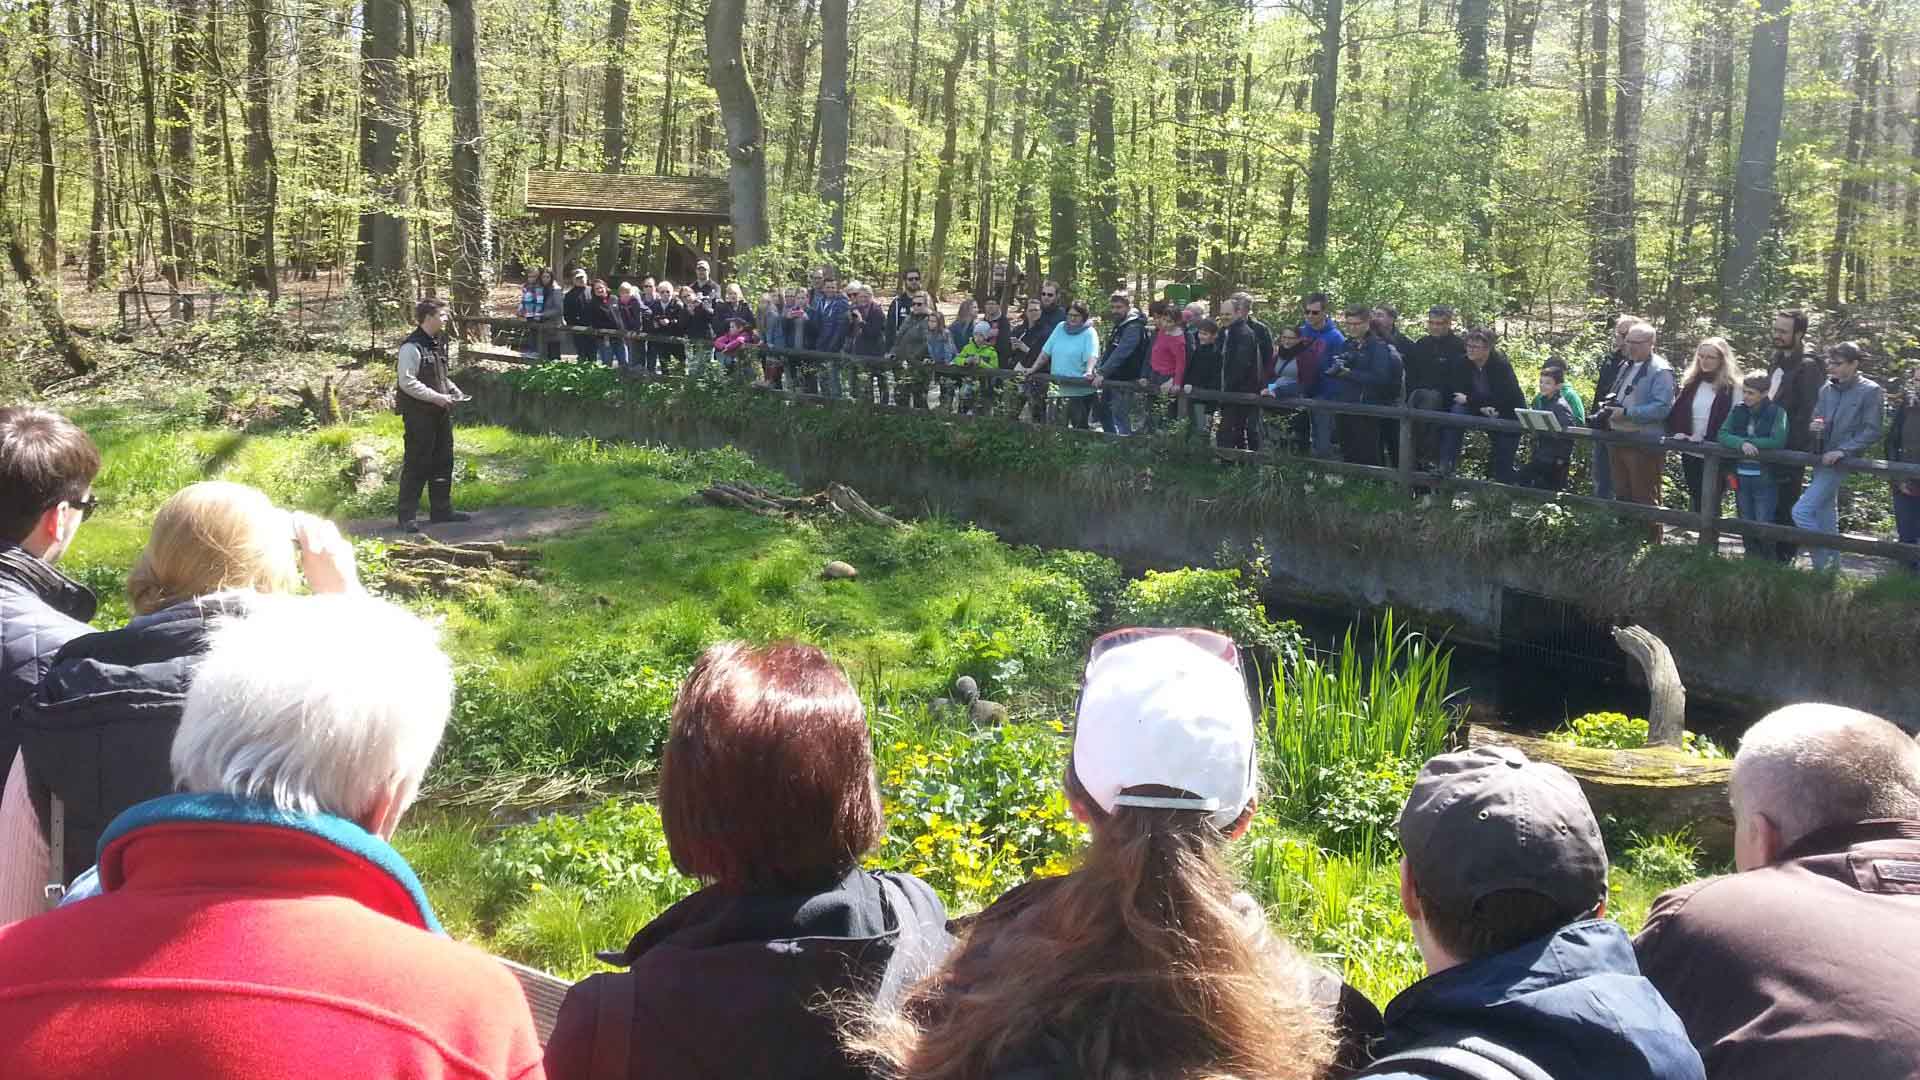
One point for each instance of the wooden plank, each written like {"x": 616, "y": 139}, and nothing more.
{"x": 544, "y": 994}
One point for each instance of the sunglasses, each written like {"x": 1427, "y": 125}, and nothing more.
{"x": 86, "y": 506}
{"x": 1049, "y": 295}
{"x": 1314, "y": 312}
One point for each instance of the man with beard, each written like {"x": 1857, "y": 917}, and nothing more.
{"x": 1796, "y": 379}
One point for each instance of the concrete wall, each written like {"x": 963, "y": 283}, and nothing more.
{"x": 1165, "y": 530}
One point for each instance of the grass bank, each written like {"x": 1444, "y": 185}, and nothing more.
{"x": 538, "y": 839}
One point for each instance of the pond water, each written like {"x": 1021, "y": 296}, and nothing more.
{"x": 1524, "y": 693}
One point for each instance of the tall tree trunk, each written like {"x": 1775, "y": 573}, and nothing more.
{"x": 1599, "y": 203}
{"x": 1854, "y": 190}
{"x": 795, "y": 171}
{"x": 1473, "y": 72}
{"x": 1022, "y": 244}
{"x": 1628, "y": 101}
{"x": 472, "y": 219}
{"x": 1326, "y": 86}
{"x": 180, "y": 140}
{"x": 89, "y": 43}
{"x": 949, "y": 148}
{"x": 1754, "y": 195}
{"x": 150, "y": 139}
{"x": 1186, "y": 193}
{"x": 1697, "y": 143}
{"x": 983, "y": 234}
{"x": 263, "y": 177}
{"x": 613, "y": 119}
{"x": 740, "y": 113}
{"x": 40, "y": 43}
{"x": 1108, "y": 270}
{"x": 835, "y": 118}
{"x": 903, "y": 244}
{"x": 1910, "y": 207}
{"x": 1523, "y": 22}
{"x": 382, "y": 255}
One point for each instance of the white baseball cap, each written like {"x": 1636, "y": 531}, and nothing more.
{"x": 1167, "y": 708}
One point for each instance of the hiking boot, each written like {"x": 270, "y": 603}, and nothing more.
{"x": 448, "y": 516}
{"x": 408, "y": 525}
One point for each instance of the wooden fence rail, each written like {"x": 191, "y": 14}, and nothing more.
{"x": 1709, "y": 521}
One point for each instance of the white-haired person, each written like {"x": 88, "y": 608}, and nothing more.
{"x": 1803, "y": 962}
{"x": 257, "y": 924}
{"x": 95, "y": 732}
{"x": 1146, "y": 960}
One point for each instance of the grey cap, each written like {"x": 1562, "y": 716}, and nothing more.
{"x": 1488, "y": 819}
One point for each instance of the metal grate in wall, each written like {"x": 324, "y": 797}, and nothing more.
{"x": 1543, "y": 630}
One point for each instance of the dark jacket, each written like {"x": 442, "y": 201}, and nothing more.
{"x": 1805, "y": 968}
{"x": 869, "y": 336}
{"x": 99, "y": 729}
{"x": 603, "y": 313}
{"x": 1243, "y": 356}
{"x": 1680, "y": 417}
{"x": 1573, "y": 1002}
{"x": 669, "y": 317}
{"x": 726, "y": 985}
{"x": 1128, "y": 347}
{"x": 1204, "y": 369}
{"x": 1611, "y": 365}
{"x": 1503, "y": 387}
{"x": 898, "y": 312}
{"x": 1369, "y": 372}
{"x": 1900, "y": 448}
{"x": 727, "y": 310}
{"x": 573, "y": 306}
{"x": 1051, "y": 317}
{"x": 41, "y": 609}
{"x": 1433, "y": 360}
{"x": 1356, "y": 1021}
{"x": 1801, "y": 378}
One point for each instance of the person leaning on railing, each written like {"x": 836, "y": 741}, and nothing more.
{"x": 910, "y": 348}
{"x": 1846, "y": 422}
{"x": 1642, "y": 397}
{"x": 1903, "y": 445}
{"x": 1754, "y": 425}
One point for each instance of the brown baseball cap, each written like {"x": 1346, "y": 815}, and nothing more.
{"x": 1489, "y": 819}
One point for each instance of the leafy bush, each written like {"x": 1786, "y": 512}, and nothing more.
{"x": 1617, "y": 731}
{"x": 1215, "y": 599}
{"x": 1360, "y": 803}
{"x": 590, "y": 381}
{"x": 975, "y": 813}
{"x": 1666, "y": 860}
{"x": 1097, "y": 575}
{"x": 598, "y": 710}
{"x": 616, "y": 845}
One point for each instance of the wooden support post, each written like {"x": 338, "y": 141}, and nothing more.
{"x": 556, "y": 249}
{"x": 1711, "y": 481}
{"x": 1406, "y": 461}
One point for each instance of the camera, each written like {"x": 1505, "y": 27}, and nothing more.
{"x": 1600, "y": 417}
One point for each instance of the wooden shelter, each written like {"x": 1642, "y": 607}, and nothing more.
{"x": 686, "y": 212}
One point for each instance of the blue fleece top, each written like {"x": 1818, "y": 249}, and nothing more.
{"x": 1574, "y": 1002}
{"x": 1072, "y": 355}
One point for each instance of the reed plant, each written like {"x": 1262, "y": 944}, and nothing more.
{"x": 1364, "y": 707}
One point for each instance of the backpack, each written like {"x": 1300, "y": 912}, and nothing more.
{"x": 1469, "y": 1057}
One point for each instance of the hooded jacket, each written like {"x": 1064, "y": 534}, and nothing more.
{"x": 99, "y": 729}
{"x": 41, "y": 610}
{"x": 1573, "y": 1002}
{"x": 236, "y": 940}
{"x": 724, "y": 985}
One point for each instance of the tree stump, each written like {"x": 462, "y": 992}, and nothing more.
{"x": 1656, "y": 788}
{"x": 1667, "y": 711}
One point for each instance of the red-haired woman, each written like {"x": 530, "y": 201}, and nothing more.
{"x": 767, "y": 794}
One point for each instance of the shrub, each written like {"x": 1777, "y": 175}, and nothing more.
{"x": 1360, "y": 803}
{"x": 1215, "y": 599}
{"x": 597, "y": 710}
{"x": 616, "y": 845}
{"x": 1617, "y": 731}
{"x": 1664, "y": 860}
{"x": 1098, "y": 575}
{"x": 975, "y": 813}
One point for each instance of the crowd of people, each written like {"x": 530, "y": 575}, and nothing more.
{"x": 1141, "y": 366}
{"x": 196, "y": 878}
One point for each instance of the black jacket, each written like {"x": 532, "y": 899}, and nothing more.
{"x": 603, "y": 313}
{"x": 726, "y": 985}
{"x": 41, "y": 609}
{"x": 99, "y": 729}
{"x": 670, "y": 317}
{"x": 1432, "y": 360}
{"x": 1611, "y": 365}
{"x": 1503, "y": 385}
{"x": 1799, "y": 393}
{"x": 1243, "y": 356}
{"x": 573, "y": 306}
{"x": 726, "y": 311}
{"x": 1127, "y": 349}
{"x": 1204, "y": 370}
{"x": 870, "y": 336}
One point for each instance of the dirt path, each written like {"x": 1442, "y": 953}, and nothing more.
{"x": 491, "y": 523}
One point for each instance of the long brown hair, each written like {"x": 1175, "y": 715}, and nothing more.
{"x": 1138, "y": 964}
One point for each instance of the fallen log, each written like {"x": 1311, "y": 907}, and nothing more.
{"x": 1657, "y": 789}
{"x": 838, "y": 498}
{"x": 848, "y": 501}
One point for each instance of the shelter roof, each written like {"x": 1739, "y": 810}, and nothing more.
{"x": 585, "y": 196}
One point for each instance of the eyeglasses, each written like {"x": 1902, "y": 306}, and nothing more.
{"x": 86, "y": 506}
{"x": 1049, "y": 295}
{"x": 1314, "y": 311}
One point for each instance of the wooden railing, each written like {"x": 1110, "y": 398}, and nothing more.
{"x": 1710, "y": 522}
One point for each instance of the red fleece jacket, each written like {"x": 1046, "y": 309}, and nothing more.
{"x": 243, "y": 950}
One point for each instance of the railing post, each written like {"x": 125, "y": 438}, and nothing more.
{"x": 1406, "y": 461}
{"x": 1711, "y": 490}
